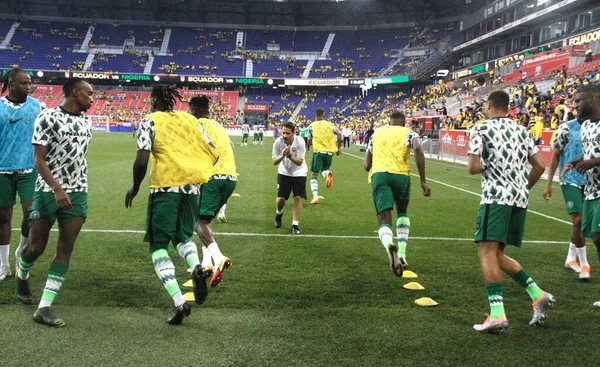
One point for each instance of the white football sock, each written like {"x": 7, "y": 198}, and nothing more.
{"x": 582, "y": 255}
{"x": 206, "y": 258}
{"x": 222, "y": 210}
{"x": 325, "y": 173}
{"x": 4, "y": 251}
{"x": 216, "y": 254}
{"x": 386, "y": 236}
{"x": 572, "y": 254}
{"x": 314, "y": 187}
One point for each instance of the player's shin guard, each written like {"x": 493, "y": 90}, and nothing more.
{"x": 166, "y": 273}
{"x": 189, "y": 252}
{"x": 56, "y": 278}
{"x": 402, "y": 230}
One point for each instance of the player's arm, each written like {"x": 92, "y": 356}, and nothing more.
{"x": 553, "y": 166}
{"x": 537, "y": 169}
{"x": 587, "y": 164}
{"x": 338, "y": 135}
{"x": 278, "y": 154}
{"x": 368, "y": 162}
{"x": 301, "y": 151}
{"x": 39, "y": 159}
{"x": 310, "y": 137}
{"x": 475, "y": 149}
{"x": 145, "y": 139}
{"x": 420, "y": 159}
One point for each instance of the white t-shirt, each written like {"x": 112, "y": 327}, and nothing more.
{"x": 286, "y": 166}
{"x": 346, "y": 132}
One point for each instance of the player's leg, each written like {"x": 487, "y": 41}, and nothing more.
{"x": 187, "y": 249}
{"x": 284, "y": 188}
{"x": 210, "y": 202}
{"x": 401, "y": 190}
{"x": 573, "y": 198}
{"x": 68, "y": 230}
{"x": 42, "y": 215}
{"x": 7, "y": 201}
{"x": 327, "y": 159}
{"x": 491, "y": 228}
{"x": 541, "y": 300}
{"x": 161, "y": 228}
{"x": 25, "y": 186}
{"x": 299, "y": 188}
{"x": 316, "y": 165}
{"x": 383, "y": 198}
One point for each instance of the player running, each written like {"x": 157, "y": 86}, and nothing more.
{"x": 245, "y": 133}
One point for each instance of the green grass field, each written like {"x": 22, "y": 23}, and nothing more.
{"x": 327, "y": 297}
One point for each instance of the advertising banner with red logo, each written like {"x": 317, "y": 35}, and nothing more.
{"x": 227, "y": 98}
{"x": 455, "y": 142}
{"x": 256, "y": 108}
{"x": 542, "y": 64}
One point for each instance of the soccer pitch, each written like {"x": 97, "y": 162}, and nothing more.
{"x": 326, "y": 297}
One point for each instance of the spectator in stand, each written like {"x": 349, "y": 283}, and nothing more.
{"x": 537, "y": 127}
{"x": 346, "y": 134}
{"x": 588, "y": 53}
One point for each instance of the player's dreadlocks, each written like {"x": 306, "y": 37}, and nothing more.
{"x": 8, "y": 77}
{"x": 167, "y": 95}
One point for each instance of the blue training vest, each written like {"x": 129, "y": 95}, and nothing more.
{"x": 573, "y": 151}
{"x": 16, "y": 131}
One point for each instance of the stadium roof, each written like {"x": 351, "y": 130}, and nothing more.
{"x": 257, "y": 12}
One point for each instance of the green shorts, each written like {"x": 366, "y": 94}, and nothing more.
{"x": 321, "y": 162}
{"x": 260, "y": 136}
{"x": 591, "y": 218}
{"x": 573, "y": 196}
{"x": 214, "y": 195}
{"x": 256, "y": 136}
{"x": 389, "y": 189}
{"x": 244, "y": 136}
{"x": 171, "y": 217}
{"x": 44, "y": 206}
{"x": 21, "y": 183}
{"x": 500, "y": 223}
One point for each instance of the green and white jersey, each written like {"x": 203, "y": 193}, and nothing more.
{"x": 245, "y": 129}
{"x": 504, "y": 148}
{"x": 261, "y": 129}
{"x": 67, "y": 137}
{"x": 590, "y": 139}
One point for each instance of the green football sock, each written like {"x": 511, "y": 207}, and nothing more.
{"x": 530, "y": 286}
{"x": 494, "y": 292}
{"x": 56, "y": 278}
{"x": 402, "y": 229}
{"x": 166, "y": 273}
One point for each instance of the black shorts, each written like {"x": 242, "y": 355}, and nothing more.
{"x": 285, "y": 185}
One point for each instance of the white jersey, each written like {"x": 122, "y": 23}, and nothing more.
{"x": 261, "y": 129}
{"x": 245, "y": 129}
{"x": 67, "y": 137}
{"x": 255, "y": 129}
{"x": 286, "y": 166}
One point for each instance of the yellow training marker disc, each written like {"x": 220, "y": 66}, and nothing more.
{"x": 189, "y": 270}
{"x": 236, "y": 195}
{"x": 188, "y": 284}
{"x": 414, "y": 286}
{"x": 320, "y": 198}
{"x": 409, "y": 274}
{"x": 426, "y": 302}
{"x": 189, "y": 297}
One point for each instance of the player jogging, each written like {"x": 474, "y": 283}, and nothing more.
{"x": 261, "y": 133}
{"x": 17, "y": 175}
{"x": 215, "y": 192}
{"x": 182, "y": 159}
{"x": 567, "y": 148}
{"x": 320, "y": 136}
{"x": 61, "y": 138}
{"x": 255, "y": 131}
{"x": 587, "y": 100}
{"x": 500, "y": 150}
{"x": 388, "y": 162}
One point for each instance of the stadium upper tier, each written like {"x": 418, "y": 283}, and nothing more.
{"x": 44, "y": 45}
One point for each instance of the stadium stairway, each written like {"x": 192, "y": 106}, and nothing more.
{"x": 85, "y": 43}
{"x": 88, "y": 61}
{"x": 308, "y": 68}
{"x": 328, "y": 44}
{"x": 164, "y": 47}
{"x": 149, "y": 63}
{"x": 9, "y": 35}
{"x": 249, "y": 68}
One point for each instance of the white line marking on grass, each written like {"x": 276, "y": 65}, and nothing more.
{"x": 250, "y": 234}
{"x": 476, "y": 194}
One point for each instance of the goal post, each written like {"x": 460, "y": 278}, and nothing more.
{"x": 100, "y": 123}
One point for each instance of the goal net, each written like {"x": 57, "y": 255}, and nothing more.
{"x": 99, "y": 123}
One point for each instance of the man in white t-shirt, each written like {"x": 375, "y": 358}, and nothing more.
{"x": 288, "y": 153}
{"x": 346, "y": 133}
